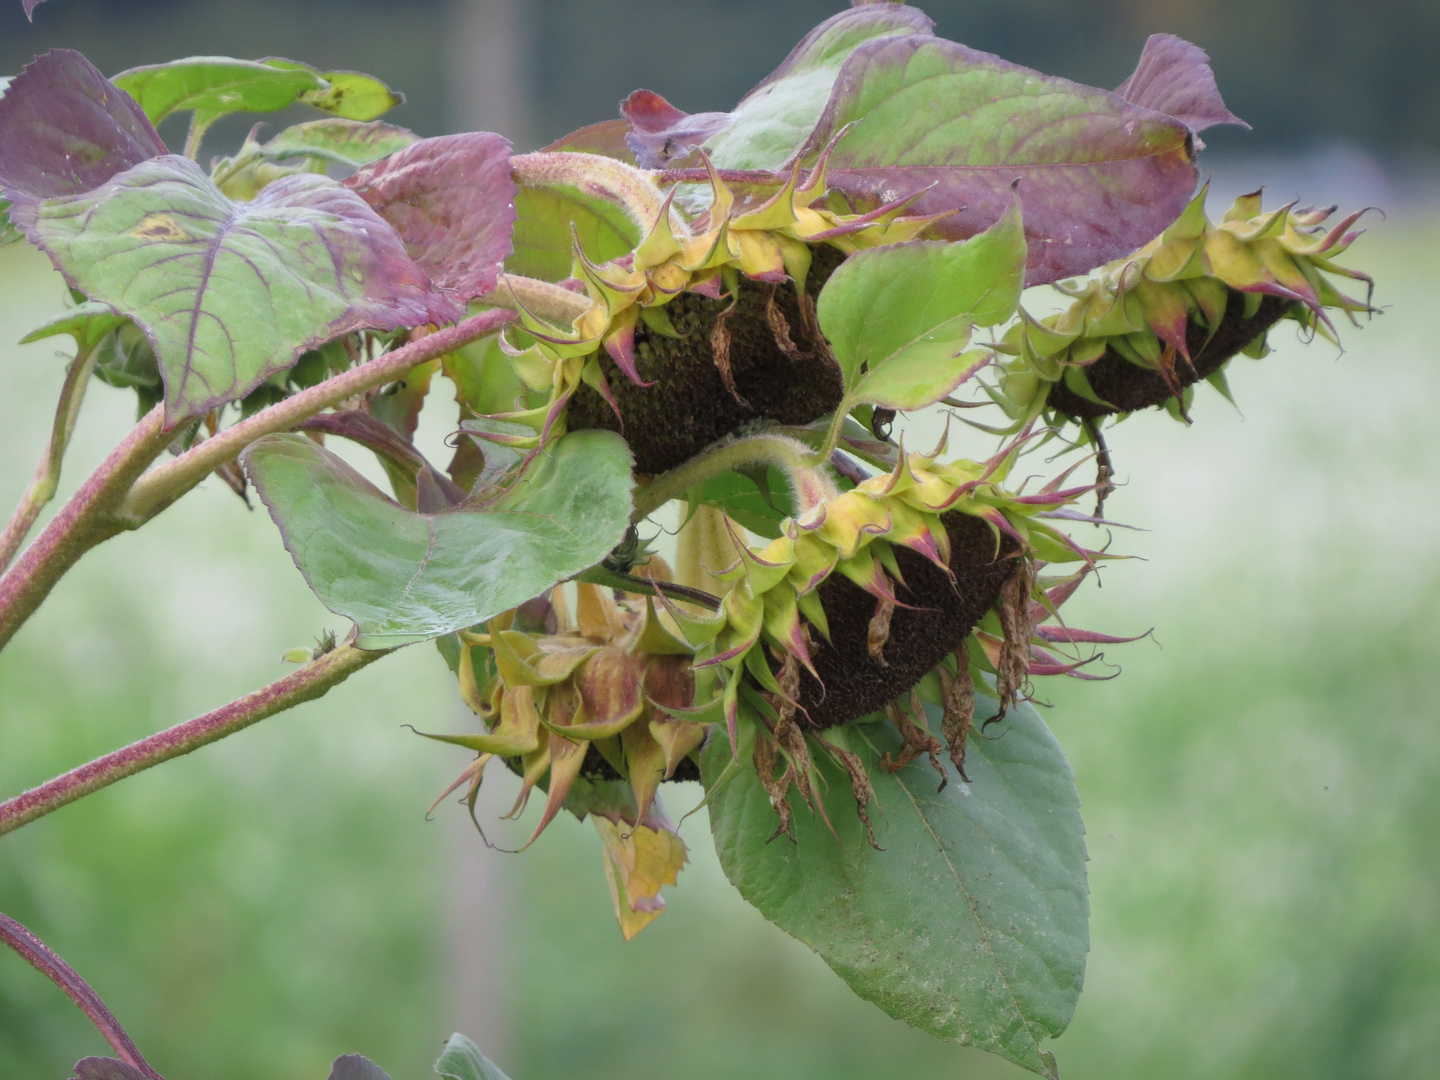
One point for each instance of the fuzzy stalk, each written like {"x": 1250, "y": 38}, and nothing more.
{"x": 631, "y": 189}
{"x": 87, "y": 519}
{"x": 47, "y": 475}
{"x": 310, "y": 682}
{"x": 49, "y": 963}
{"x": 554, "y": 304}
{"x": 168, "y": 482}
{"x": 794, "y": 458}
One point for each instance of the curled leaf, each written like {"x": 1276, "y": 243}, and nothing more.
{"x": 452, "y": 200}
{"x": 231, "y": 293}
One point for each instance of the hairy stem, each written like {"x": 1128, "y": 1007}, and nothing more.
{"x": 730, "y": 176}
{"x": 795, "y": 458}
{"x": 47, "y": 475}
{"x": 631, "y": 189}
{"x": 46, "y": 961}
{"x": 310, "y": 682}
{"x": 168, "y": 482}
{"x": 87, "y": 519}
{"x": 551, "y": 302}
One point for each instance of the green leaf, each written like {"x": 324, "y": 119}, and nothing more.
{"x": 405, "y": 577}
{"x": 8, "y": 233}
{"x": 353, "y": 96}
{"x": 231, "y": 293}
{"x": 775, "y": 120}
{"x": 217, "y": 84}
{"x": 542, "y": 237}
{"x": 87, "y": 323}
{"x": 899, "y": 317}
{"x": 345, "y": 142}
{"x": 462, "y": 1060}
{"x": 971, "y": 924}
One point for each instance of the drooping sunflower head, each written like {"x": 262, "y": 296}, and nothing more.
{"x": 930, "y": 572}
{"x": 712, "y": 304}
{"x": 1142, "y": 331}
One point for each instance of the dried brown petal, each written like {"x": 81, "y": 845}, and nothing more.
{"x": 859, "y": 786}
{"x": 1018, "y": 625}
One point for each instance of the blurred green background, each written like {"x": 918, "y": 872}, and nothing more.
{"x": 1261, "y": 785}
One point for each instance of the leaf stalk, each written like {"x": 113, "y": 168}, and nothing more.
{"x": 49, "y": 963}
{"x": 47, "y": 475}
{"x": 310, "y": 682}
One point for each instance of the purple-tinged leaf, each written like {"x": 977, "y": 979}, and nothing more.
{"x": 660, "y": 132}
{"x": 452, "y": 200}
{"x": 773, "y": 121}
{"x": 66, "y": 129}
{"x": 1099, "y": 177}
{"x": 356, "y": 1067}
{"x": 30, "y": 6}
{"x": 606, "y": 138}
{"x": 101, "y": 1068}
{"x": 1174, "y": 78}
{"x": 231, "y": 293}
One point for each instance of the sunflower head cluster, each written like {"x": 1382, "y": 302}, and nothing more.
{"x": 1143, "y": 330}
{"x": 759, "y": 234}
{"x": 869, "y": 592}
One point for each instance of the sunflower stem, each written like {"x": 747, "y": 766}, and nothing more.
{"x": 47, "y": 475}
{"x": 310, "y": 682}
{"x": 49, "y": 963}
{"x": 794, "y": 458}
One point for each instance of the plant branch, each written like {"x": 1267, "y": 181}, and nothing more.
{"x": 625, "y": 186}
{"x": 87, "y": 519}
{"x": 46, "y": 961}
{"x": 730, "y": 176}
{"x": 168, "y": 482}
{"x": 47, "y": 474}
{"x": 310, "y": 682}
{"x": 795, "y": 458}
{"x": 551, "y": 302}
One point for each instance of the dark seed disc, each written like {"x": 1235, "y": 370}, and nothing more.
{"x": 1128, "y": 387}
{"x": 689, "y": 405}
{"x": 943, "y": 612}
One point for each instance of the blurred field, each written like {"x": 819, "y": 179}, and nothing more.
{"x": 1260, "y": 785}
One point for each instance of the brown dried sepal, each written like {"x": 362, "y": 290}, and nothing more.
{"x": 916, "y": 738}
{"x": 958, "y": 702}
{"x": 860, "y": 786}
{"x": 1017, "y": 622}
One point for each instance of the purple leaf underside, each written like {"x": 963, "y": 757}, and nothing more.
{"x": 1099, "y": 176}
{"x": 356, "y": 1067}
{"x": 659, "y": 132}
{"x": 607, "y": 138}
{"x": 231, "y": 293}
{"x": 66, "y": 129}
{"x": 452, "y": 200}
{"x": 1174, "y": 77}
{"x": 30, "y": 6}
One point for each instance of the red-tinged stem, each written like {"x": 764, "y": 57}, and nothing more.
{"x": 46, "y": 961}
{"x": 730, "y": 176}
{"x": 312, "y": 681}
{"x": 168, "y": 482}
{"x": 87, "y": 519}
{"x": 47, "y": 475}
